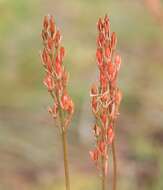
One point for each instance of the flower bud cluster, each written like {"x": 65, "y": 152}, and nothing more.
{"x": 105, "y": 97}
{"x": 56, "y": 77}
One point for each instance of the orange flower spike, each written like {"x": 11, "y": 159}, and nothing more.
{"x": 106, "y": 102}
{"x": 56, "y": 83}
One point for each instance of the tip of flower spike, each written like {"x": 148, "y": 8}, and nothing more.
{"x": 99, "y": 24}
{"x": 52, "y": 25}
{"x": 106, "y": 19}
{"x": 45, "y": 22}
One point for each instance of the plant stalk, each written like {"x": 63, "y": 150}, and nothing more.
{"x": 103, "y": 178}
{"x": 114, "y": 166}
{"x": 65, "y": 157}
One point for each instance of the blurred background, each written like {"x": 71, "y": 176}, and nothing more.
{"x": 30, "y": 146}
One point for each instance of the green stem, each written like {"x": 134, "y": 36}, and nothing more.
{"x": 114, "y": 166}
{"x": 103, "y": 178}
{"x": 65, "y": 156}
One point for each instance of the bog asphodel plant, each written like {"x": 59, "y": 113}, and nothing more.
{"x": 56, "y": 78}
{"x": 105, "y": 99}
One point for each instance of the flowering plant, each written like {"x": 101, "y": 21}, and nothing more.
{"x": 105, "y": 99}
{"x": 56, "y": 82}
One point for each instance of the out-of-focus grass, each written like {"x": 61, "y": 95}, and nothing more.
{"x": 79, "y": 181}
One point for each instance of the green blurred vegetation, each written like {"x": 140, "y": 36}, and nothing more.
{"x": 34, "y": 163}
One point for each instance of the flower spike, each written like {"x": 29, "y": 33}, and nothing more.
{"x": 105, "y": 98}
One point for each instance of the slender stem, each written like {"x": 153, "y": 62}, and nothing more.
{"x": 103, "y": 177}
{"x": 65, "y": 156}
{"x": 114, "y": 166}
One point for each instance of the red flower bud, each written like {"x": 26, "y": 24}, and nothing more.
{"x": 94, "y": 155}
{"x": 58, "y": 67}
{"x": 118, "y": 62}
{"x": 118, "y": 97}
{"x": 46, "y": 60}
{"x": 96, "y": 130}
{"x": 102, "y": 147}
{"x": 67, "y": 104}
{"x": 50, "y": 43}
{"x": 105, "y": 97}
{"x": 94, "y": 104}
{"x": 111, "y": 70}
{"x": 99, "y": 56}
{"x": 71, "y": 107}
{"x": 57, "y": 38}
{"x": 62, "y": 53}
{"x": 101, "y": 39}
{"x": 52, "y": 25}
{"x": 103, "y": 117}
{"x": 44, "y": 56}
{"x": 45, "y": 23}
{"x": 106, "y": 24}
{"x": 53, "y": 110}
{"x": 103, "y": 82}
{"x": 100, "y": 24}
{"x": 64, "y": 77}
{"x": 48, "y": 82}
{"x": 107, "y": 52}
{"x": 113, "y": 40}
{"x": 110, "y": 134}
{"x": 94, "y": 90}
